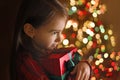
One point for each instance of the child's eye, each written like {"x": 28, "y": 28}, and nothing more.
{"x": 54, "y": 33}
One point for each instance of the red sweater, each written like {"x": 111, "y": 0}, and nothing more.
{"x": 28, "y": 69}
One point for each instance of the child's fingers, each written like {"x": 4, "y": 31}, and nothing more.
{"x": 74, "y": 71}
{"x": 86, "y": 77}
{"x": 78, "y": 76}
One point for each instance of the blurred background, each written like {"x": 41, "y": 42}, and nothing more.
{"x": 9, "y": 9}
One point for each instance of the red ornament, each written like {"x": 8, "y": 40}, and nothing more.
{"x": 96, "y": 71}
{"x": 99, "y": 23}
{"x": 80, "y": 13}
{"x": 73, "y": 35}
{"x": 94, "y": 45}
{"x": 109, "y": 74}
{"x": 113, "y": 64}
{"x": 88, "y": 5}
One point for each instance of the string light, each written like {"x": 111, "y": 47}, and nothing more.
{"x": 97, "y": 62}
{"x": 112, "y": 55}
{"x": 106, "y": 37}
{"x": 110, "y": 32}
{"x": 92, "y": 34}
{"x": 94, "y": 14}
{"x": 65, "y": 42}
{"x": 72, "y": 2}
{"x": 112, "y": 38}
{"x": 93, "y": 2}
{"x": 77, "y": 43}
{"x": 85, "y": 40}
{"x": 75, "y": 26}
{"x": 97, "y": 29}
{"x": 106, "y": 55}
{"x": 103, "y": 48}
{"x": 93, "y": 78}
{"x": 74, "y": 9}
{"x": 68, "y": 24}
{"x": 92, "y": 24}
{"x": 97, "y": 36}
{"x": 101, "y": 60}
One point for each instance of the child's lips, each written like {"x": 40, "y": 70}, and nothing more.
{"x": 54, "y": 45}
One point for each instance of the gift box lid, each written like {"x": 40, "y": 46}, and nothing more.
{"x": 55, "y": 63}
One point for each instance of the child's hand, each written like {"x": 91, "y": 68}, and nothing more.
{"x": 81, "y": 71}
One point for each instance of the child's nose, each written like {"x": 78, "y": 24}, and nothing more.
{"x": 59, "y": 38}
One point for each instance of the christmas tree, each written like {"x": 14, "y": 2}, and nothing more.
{"x": 92, "y": 37}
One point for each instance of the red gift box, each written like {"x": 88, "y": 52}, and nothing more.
{"x": 54, "y": 64}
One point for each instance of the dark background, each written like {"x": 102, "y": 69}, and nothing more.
{"x": 8, "y": 12}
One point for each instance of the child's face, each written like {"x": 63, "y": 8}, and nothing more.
{"x": 49, "y": 35}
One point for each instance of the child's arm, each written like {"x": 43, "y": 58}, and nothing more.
{"x": 28, "y": 69}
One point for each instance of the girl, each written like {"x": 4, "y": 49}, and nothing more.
{"x": 38, "y": 32}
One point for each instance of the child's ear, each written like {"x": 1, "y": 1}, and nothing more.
{"x": 29, "y": 30}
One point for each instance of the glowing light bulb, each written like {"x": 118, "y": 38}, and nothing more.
{"x": 68, "y": 25}
{"x": 89, "y": 38}
{"x": 102, "y": 29}
{"x": 93, "y": 78}
{"x": 65, "y": 42}
{"x": 93, "y": 2}
{"x": 98, "y": 12}
{"x": 84, "y": 28}
{"x": 110, "y": 32}
{"x": 97, "y": 62}
{"x": 117, "y": 58}
{"x": 92, "y": 24}
{"x": 72, "y": 2}
{"x": 110, "y": 69}
{"x": 97, "y": 29}
{"x": 101, "y": 60}
{"x": 101, "y": 66}
{"x": 106, "y": 37}
{"x": 85, "y": 40}
{"x": 74, "y": 8}
{"x": 88, "y": 31}
{"x": 112, "y": 55}
{"x": 103, "y": 48}
{"x": 106, "y": 55}
{"x": 75, "y": 26}
{"x": 99, "y": 56}
{"x": 94, "y": 14}
{"x": 89, "y": 45}
{"x": 77, "y": 43}
{"x": 97, "y": 36}
{"x": 112, "y": 38}
{"x": 99, "y": 41}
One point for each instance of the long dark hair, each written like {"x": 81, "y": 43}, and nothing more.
{"x": 37, "y": 13}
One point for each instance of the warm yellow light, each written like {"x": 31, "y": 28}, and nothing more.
{"x": 85, "y": 40}
{"x": 94, "y": 14}
{"x": 72, "y": 2}
{"x": 77, "y": 43}
{"x": 101, "y": 60}
{"x": 97, "y": 36}
{"x": 110, "y": 32}
{"x": 68, "y": 25}
{"x": 93, "y": 78}
{"x": 93, "y": 2}
{"x": 97, "y": 62}
{"x": 92, "y": 24}
{"x": 65, "y": 42}
{"x": 106, "y": 55}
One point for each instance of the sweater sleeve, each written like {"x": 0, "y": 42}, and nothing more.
{"x": 28, "y": 69}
